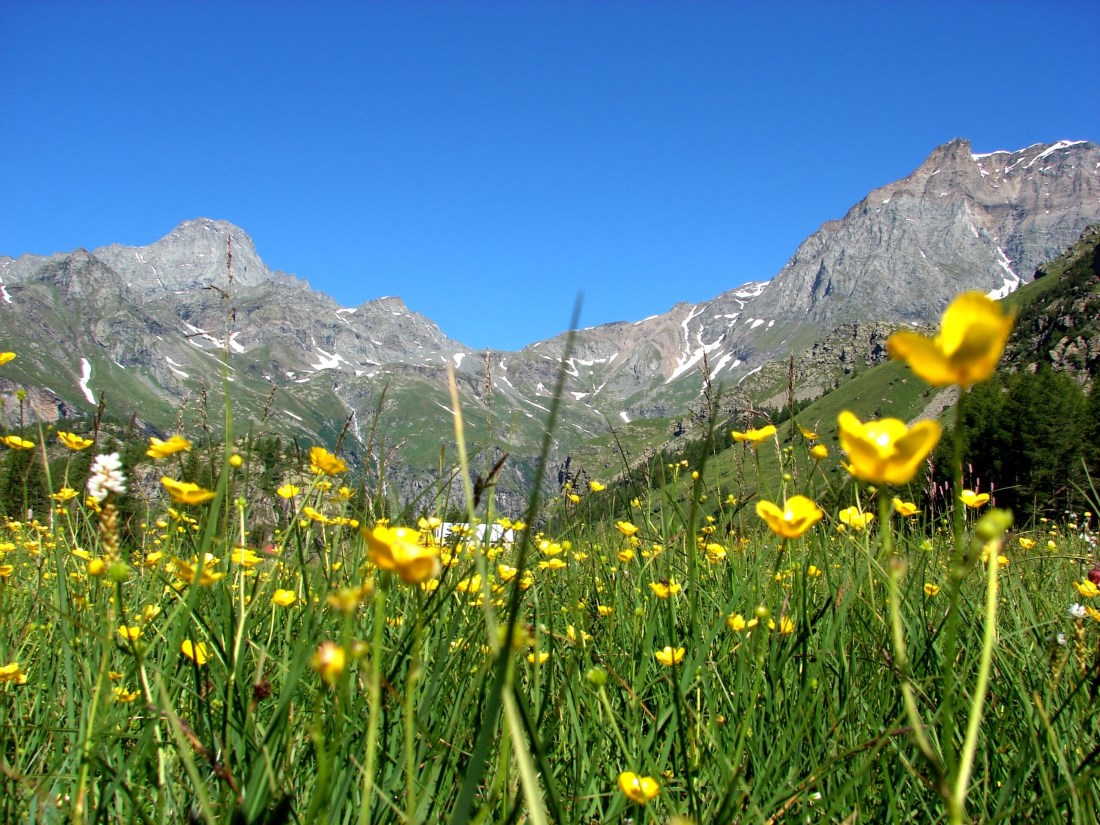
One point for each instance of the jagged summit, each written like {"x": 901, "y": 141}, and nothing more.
{"x": 140, "y": 321}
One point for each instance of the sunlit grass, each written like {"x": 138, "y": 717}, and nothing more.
{"x": 212, "y": 640}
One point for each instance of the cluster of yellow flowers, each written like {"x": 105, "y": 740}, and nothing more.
{"x": 970, "y": 342}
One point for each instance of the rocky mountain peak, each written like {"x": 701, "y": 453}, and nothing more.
{"x": 192, "y": 255}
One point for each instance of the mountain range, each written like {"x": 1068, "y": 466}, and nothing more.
{"x": 154, "y": 329}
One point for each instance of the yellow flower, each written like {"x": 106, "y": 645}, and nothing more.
{"x": 574, "y": 498}
{"x": 235, "y": 461}
{"x": 604, "y": 610}
{"x": 538, "y": 658}
{"x": 596, "y": 487}
{"x": 577, "y": 636}
{"x": 245, "y": 557}
{"x": 820, "y": 452}
{"x": 626, "y": 528}
{"x": 639, "y": 789}
{"x": 756, "y": 436}
{"x": 284, "y": 598}
{"x": 854, "y": 518}
{"x": 197, "y": 653}
{"x": 17, "y": 443}
{"x": 798, "y": 515}
{"x": 74, "y": 441}
{"x": 669, "y": 656}
{"x": 124, "y": 696}
{"x": 625, "y": 555}
{"x": 786, "y": 625}
{"x": 967, "y": 348}
{"x": 163, "y": 449}
{"x": 552, "y": 564}
{"x": 1087, "y": 589}
{"x": 64, "y": 494}
{"x": 6, "y": 570}
{"x": 1026, "y": 543}
{"x": 5, "y": 357}
{"x": 315, "y": 515}
{"x": 931, "y": 589}
{"x": 324, "y": 461}
{"x": 288, "y": 491}
{"x": 97, "y": 567}
{"x": 130, "y": 634}
{"x": 736, "y": 622}
{"x": 186, "y": 571}
{"x": 972, "y": 499}
{"x": 905, "y": 508}
{"x": 329, "y": 661}
{"x": 886, "y": 451}
{"x": 665, "y": 588}
{"x": 186, "y": 492}
{"x": 398, "y": 549}
{"x": 809, "y": 435}
{"x": 11, "y": 672}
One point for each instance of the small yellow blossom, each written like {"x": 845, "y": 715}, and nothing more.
{"x": 1087, "y": 589}
{"x": 669, "y": 656}
{"x": 329, "y": 661}
{"x": 284, "y": 598}
{"x": 736, "y": 622}
{"x": 236, "y": 461}
{"x": 537, "y": 658}
{"x": 74, "y": 441}
{"x": 398, "y": 550}
{"x": 972, "y": 499}
{"x": 186, "y": 492}
{"x": 971, "y": 339}
{"x": 820, "y": 452}
{"x": 124, "y": 696}
{"x": 854, "y": 518}
{"x": 197, "y": 653}
{"x": 755, "y": 437}
{"x": 798, "y": 515}
{"x": 245, "y": 557}
{"x": 5, "y": 357}
{"x": 1026, "y": 543}
{"x": 324, "y": 461}
{"x": 163, "y": 449}
{"x": 596, "y": 487}
{"x": 905, "y": 508}
{"x": 638, "y": 789}
{"x": 786, "y": 625}
{"x": 664, "y": 588}
{"x": 130, "y": 634}
{"x": 288, "y": 491}
{"x": 626, "y": 528}
{"x": 931, "y": 589}
{"x": 886, "y": 451}
{"x": 11, "y": 672}
{"x": 17, "y": 443}
{"x": 64, "y": 494}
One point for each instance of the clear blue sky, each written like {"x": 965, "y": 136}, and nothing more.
{"x": 487, "y": 160}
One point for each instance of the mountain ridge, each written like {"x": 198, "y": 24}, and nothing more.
{"x": 156, "y": 326}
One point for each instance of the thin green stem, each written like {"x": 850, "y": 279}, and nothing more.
{"x": 989, "y": 641}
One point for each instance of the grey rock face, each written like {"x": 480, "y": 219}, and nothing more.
{"x": 144, "y": 323}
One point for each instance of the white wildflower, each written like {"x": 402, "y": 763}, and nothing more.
{"x": 106, "y": 477}
{"x": 1077, "y": 611}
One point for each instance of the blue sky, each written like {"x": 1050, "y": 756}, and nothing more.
{"x": 488, "y": 160}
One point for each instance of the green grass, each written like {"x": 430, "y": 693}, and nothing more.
{"x": 751, "y": 725}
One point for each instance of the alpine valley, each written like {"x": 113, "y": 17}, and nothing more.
{"x": 158, "y": 331}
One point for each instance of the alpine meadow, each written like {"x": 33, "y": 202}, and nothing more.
{"x": 820, "y": 549}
